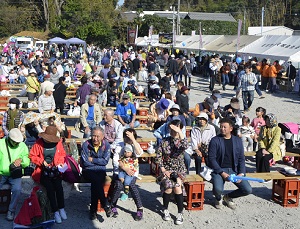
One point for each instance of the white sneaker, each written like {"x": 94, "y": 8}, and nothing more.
{"x": 10, "y": 216}
{"x": 57, "y": 217}
{"x": 218, "y": 204}
{"x": 63, "y": 214}
{"x": 167, "y": 216}
{"x": 229, "y": 202}
{"x": 179, "y": 219}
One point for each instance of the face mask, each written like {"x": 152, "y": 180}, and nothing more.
{"x": 12, "y": 106}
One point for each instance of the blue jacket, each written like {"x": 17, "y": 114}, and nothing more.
{"x": 216, "y": 152}
{"x": 100, "y": 158}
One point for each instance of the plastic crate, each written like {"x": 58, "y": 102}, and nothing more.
{"x": 5, "y": 197}
{"x": 286, "y": 192}
{"x": 195, "y": 195}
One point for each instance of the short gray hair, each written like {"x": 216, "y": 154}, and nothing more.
{"x": 111, "y": 111}
{"x": 98, "y": 128}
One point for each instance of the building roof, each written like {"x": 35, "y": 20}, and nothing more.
{"x": 130, "y": 15}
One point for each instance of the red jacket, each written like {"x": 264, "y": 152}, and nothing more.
{"x": 30, "y": 209}
{"x": 36, "y": 155}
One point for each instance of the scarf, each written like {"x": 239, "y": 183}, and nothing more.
{"x": 12, "y": 115}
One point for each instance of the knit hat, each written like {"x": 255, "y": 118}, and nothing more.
{"x": 128, "y": 148}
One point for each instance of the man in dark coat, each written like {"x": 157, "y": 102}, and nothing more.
{"x": 173, "y": 67}
{"x": 60, "y": 94}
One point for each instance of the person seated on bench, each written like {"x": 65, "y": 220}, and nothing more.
{"x": 128, "y": 160}
{"x": 129, "y": 136}
{"x": 90, "y": 115}
{"x": 268, "y": 144}
{"x": 201, "y": 135}
{"x": 247, "y": 134}
{"x": 126, "y": 113}
{"x": 170, "y": 158}
{"x": 164, "y": 132}
{"x": 46, "y": 101}
{"x": 113, "y": 133}
{"x": 226, "y": 157}
{"x": 13, "y": 117}
{"x": 14, "y": 146}
{"x": 94, "y": 157}
{"x": 47, "y": 154}
{"x": 158, "y": 113}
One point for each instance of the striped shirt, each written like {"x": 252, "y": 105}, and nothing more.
{"x": 248, "y": 81}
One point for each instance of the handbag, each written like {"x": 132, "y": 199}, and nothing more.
{"x": 15, "y": 171}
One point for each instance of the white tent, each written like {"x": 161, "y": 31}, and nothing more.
{"x": 194, "y": 43}
{"x": 288, "y": 49}
{"x": 260, "y": 46}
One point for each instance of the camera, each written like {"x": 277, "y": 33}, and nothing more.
{"x": 174, "y": 176}
{"x": 50, "y": 172}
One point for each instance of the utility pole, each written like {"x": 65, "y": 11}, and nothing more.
{"x": 178, "y": 18}
{"x": 174, "y": 32}
{"x": 262, "y": 20}
{"x": 244, "y": 30}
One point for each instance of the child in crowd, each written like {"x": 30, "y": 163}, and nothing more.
{"x": 12, "y": 76}
{"x": 130, "y": 161}
{"x": 258, "y": 122}
{"x": 247, "y": 133}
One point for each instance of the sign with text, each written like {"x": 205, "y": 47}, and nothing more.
{"x": 165, "y": 38}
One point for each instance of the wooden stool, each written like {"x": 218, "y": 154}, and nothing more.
{"x": 195, "y": 195}
{"x": 286, "y": 192}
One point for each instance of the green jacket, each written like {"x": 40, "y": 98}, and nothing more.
{"x": 20, "y": 152}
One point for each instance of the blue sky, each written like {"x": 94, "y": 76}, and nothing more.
{"x": 120, "y": 2}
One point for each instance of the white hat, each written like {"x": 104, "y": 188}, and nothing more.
{"x": 32, "y": 71}
{"x": 203, "y": 115}
{"x": 172, "y": 55}
{"x": 49, "y": 88}
{"x": 15, "y": 135}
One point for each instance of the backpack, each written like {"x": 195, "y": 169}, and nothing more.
{"x": 72, "y": 174}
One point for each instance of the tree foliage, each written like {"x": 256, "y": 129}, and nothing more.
{"x": 99, "y": 21}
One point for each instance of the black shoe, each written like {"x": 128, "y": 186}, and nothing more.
{"x": 93, "y": 215}
{"x": 108, "y": 211}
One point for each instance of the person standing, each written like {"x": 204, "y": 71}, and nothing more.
{"x": 247, "y": 83}
{"x": 60, "y": 94}
{"x": 212, "y": 73}
{"x": 94, "y": 157}
{"x": 13, "y": 151}
{"x": 226, "y": 157}
{"x": 33, "y": 86}
{"x": 173, "y": 67}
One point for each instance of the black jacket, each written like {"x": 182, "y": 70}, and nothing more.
{"x": 59, "y": 94}
{"x": 183, "y": 102}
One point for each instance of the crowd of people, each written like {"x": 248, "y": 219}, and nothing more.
{"x": 220, "y": 134}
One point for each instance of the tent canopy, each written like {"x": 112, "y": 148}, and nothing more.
{"x": 57, "y": 40}
{"x": 75, "y": 41}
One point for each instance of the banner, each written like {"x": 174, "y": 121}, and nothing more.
{"x": 165, "y": 38}
{"x": 200, "y": 37}
{"x": 131, "y": 36}
{"x": 239, "y": 34}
